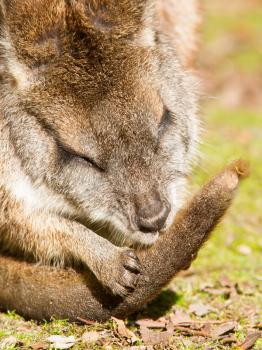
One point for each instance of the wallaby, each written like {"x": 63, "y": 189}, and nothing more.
{"x": 98, "y": 128}
{"x": 41, "y": 292}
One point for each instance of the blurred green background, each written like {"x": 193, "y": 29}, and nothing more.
{"x": 230, "y": 66}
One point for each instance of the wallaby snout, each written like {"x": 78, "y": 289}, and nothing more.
{"x": 151, "y": 212}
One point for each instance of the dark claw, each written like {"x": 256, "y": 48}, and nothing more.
{"x": 135, "y": 267}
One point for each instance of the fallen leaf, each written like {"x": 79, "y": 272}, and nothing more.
{"x": 207, "y": 327}
{"x": 226, "y": 282}
{"x": 122, "y": 329}
{"x": 244, "y": 249}
{"x": 214, "y": 291}
{"x": 193, "y": 332}
{"x": 61, "y": 342}
{"x": 151, "y": 323}
{"x": 90, "y": 337}
{"x": 250, "y": 341}
{"x": 223, "y": 329}
{"x": 39, "y": 346}
{"x": 152, "y": 338}
{"x": 180, "y": 317}
{"x": 8, "y": 342}
{"x": 24, "y": 329}
{"x": 199, "y": 309}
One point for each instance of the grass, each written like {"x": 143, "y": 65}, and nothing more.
{"x": 234, "y": 251}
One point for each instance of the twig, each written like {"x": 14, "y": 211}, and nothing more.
{"x": 192, "y": 331}
{"x": 87, "y": 322}
{"x": 201, "y": 322}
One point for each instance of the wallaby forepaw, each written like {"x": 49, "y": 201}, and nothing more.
{"x": 123, "y": 274}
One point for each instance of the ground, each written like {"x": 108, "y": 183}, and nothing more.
{"x": 218, "y": 302}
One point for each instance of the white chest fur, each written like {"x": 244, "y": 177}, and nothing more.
{"x": 35, "y": 197}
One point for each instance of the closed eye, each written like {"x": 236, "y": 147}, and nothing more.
{"x": 68, "y": 154}
{"x": 65, "y": 152}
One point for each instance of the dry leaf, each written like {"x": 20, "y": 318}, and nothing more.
{"x": 226, "y": 282}
{"x": 39, "y": 346}
{"x": 199, "y": 309}
{"x": 8, "y": 342}
{"x": 122, "y": 329}
{"x": 152, "y": 338}
{"x": 250, "y": 341}
{"x": 223, "y": 329}
{"x": 244, "y": 249}
{"x": 24, "y": 329}
{"x": 179, "y": 317}
{"x": 215, "y": 291}
{"x": 61, "y": 342}
{"x": 90, "y": 337}
{"x": 151, "y": 323}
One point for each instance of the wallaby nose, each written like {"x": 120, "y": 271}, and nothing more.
{"x": 151, "y": 212}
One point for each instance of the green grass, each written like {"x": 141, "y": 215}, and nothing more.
{"x": 231, "y": 134}
{"x": 244, "y": 219}
{"x": 241, "y": 34}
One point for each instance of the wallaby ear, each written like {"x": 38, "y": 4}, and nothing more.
{"x": 32, "y": 28}
{"x": 33, "y": 25}
{"x": 117, "y": 18}
{"x": 37, "y": 31}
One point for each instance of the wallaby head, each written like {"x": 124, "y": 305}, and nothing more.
{"x": 98, "y": 110}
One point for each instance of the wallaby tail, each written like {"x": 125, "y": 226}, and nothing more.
{"x": 40, "y": 292}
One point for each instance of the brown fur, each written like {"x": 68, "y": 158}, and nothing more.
{"x": 98, "y": 128}
{"x": 98, "y": 122}
{"x": 42, "y": 292}
{"x": 180, "y": 21}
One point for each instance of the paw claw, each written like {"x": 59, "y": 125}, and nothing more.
{"x": 122, "y": 274}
